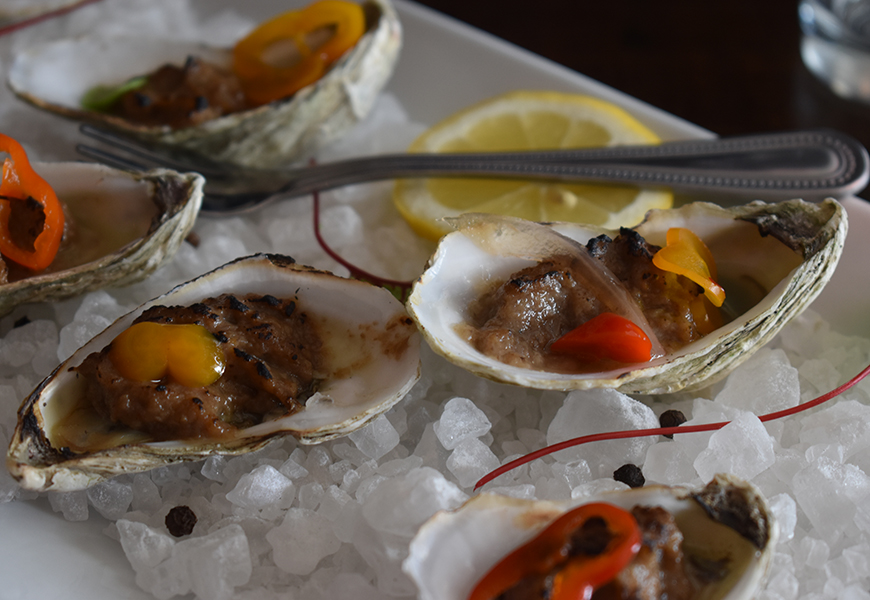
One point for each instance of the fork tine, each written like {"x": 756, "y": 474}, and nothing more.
{"x": 109, "y": 158}
{"x": 139, "y": 156}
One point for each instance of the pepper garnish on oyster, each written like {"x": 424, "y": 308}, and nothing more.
{"x": 573, "y": 312}
{"x": 260, "y": 359}
{"x": 55, "y": 76}
{"x": 716, "y": 542}
{"x": 277, "y": 59}
{"x": 773, "y": 259}
{"x": 306, "y": 353}
{"x": 31, "y": 217}
{"x": 68, "y": 228}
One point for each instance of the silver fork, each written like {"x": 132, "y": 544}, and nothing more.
{"x": 810, "y": 164}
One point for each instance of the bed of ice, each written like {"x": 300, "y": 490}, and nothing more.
{"x": 334, "y": 521}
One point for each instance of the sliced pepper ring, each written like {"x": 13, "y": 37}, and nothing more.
{"x": 581, "y": 574}
{"x": 20, "y": 183}
{"x": 686, "y": 254}
{"x": 265, "y": 81}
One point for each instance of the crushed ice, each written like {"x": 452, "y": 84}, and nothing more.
{"x": 334, "y": 521}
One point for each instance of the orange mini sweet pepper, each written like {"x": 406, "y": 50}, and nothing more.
{"x": 686, "y": 254}
{"x": 269, "y": 72}
{"x": 21, "y": 183}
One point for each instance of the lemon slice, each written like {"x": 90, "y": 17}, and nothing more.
{"x": 528, "y": 120}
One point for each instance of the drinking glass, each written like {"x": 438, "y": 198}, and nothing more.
{"x": 836, "y": 44}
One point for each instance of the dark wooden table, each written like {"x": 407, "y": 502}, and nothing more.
{"x": 732, "y": 67}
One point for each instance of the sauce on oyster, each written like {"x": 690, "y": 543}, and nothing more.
{"x": 272, "y": 357}
{"x": 517, "y": 321}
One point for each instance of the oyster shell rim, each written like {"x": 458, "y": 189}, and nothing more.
{"x": 37, "y": 465}
{"x": 177, "y": 195}
{"x": 722, "y": 498}
{"x": 267, "y": 136}
{"x": 692, "y": 367}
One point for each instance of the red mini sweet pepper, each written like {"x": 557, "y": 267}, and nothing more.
{"x": 606, "y": 336}
{"x": 578, "y": 576}
{"x": 22, "y": 184}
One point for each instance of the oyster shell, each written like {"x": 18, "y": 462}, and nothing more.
{"x": 728, "y": 519}
{"x": 124, "y": 226}
{"x": 373, "y": 360}
{"x": 54, "y": 76}
{"x": 773, "y": 259}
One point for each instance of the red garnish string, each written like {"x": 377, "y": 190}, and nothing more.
{"x": 44, "y": 17}
{"x": 618, "y": 435}
{"x": 399, "y": 288}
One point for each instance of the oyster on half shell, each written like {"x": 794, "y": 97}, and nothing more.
{"x": 122, "y": 227}
{"x": 371, "y": 360}
{"x": 728, "y": 520}
{"x": 54, "y": 76}
{"x": 773, "y": 260}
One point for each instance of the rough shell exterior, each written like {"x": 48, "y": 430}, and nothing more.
{"x": 453, "y": 550}
{"x": 346, "y": 400}
{"x": 167, "y": 201}
{"x": 54, "y": 76}
{"x": 788, "y": 251}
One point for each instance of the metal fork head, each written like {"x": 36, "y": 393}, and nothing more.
{"x": 138, "y": 155}
{"x": 228, "y": 189}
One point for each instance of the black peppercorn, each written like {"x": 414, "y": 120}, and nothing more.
{"x": 630, "y": 475}
{"x": 180, "y": 521}
{"x": 671, "y": 418}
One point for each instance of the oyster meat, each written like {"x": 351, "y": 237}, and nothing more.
{"x": 370, "y": 359}
{"x": 123, "y": 227}
{"x": 56, "y": 75}
{"x": 726, "y": 523}
{"x": 772, "y": 259}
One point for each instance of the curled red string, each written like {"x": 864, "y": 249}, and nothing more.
{"x": 403, "y": 287}
{"x": 618, "y": 435}
{"x": 44, "y": 17}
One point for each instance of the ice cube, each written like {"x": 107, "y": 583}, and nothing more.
{"x": 73, "y": 505}
{"x": 377, "y": 438}
{"x": 111, "y": 498}
{"x": 847, "y": 422}
{"x": 461, "y": 419}
{"x": 601, "y": 410}
{"x": 302, "y": 540}
{"x": 827, "y": 492}
{"x": 471, "y": 460}
{"x": 765, "y": 384}
{"x": 400, "y": 505}
{"x": 784, "y": 509}
{"x": 667, "y": 462}
{"x": 742, "y": 447}
{"x": 145, "y": 547}
{"x": 263, "y": 487}
{"x": 216, "y": 563}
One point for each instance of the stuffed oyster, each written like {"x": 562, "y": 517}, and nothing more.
{"x": 359, "y": 358}
{"x": 715, "y": 542}
{"x": 57, "y": 75}
{"x": 772, "y": 260}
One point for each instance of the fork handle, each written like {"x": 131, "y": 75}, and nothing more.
{"x": 814, "y": 163}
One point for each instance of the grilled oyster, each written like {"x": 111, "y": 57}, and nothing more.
{"x": 55, "y": 76}
{"x": 727, "y": 523}
{"x": 370, "y": 354}
{"x": 773, "y": 259}
{"x": 124, "y": 226}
